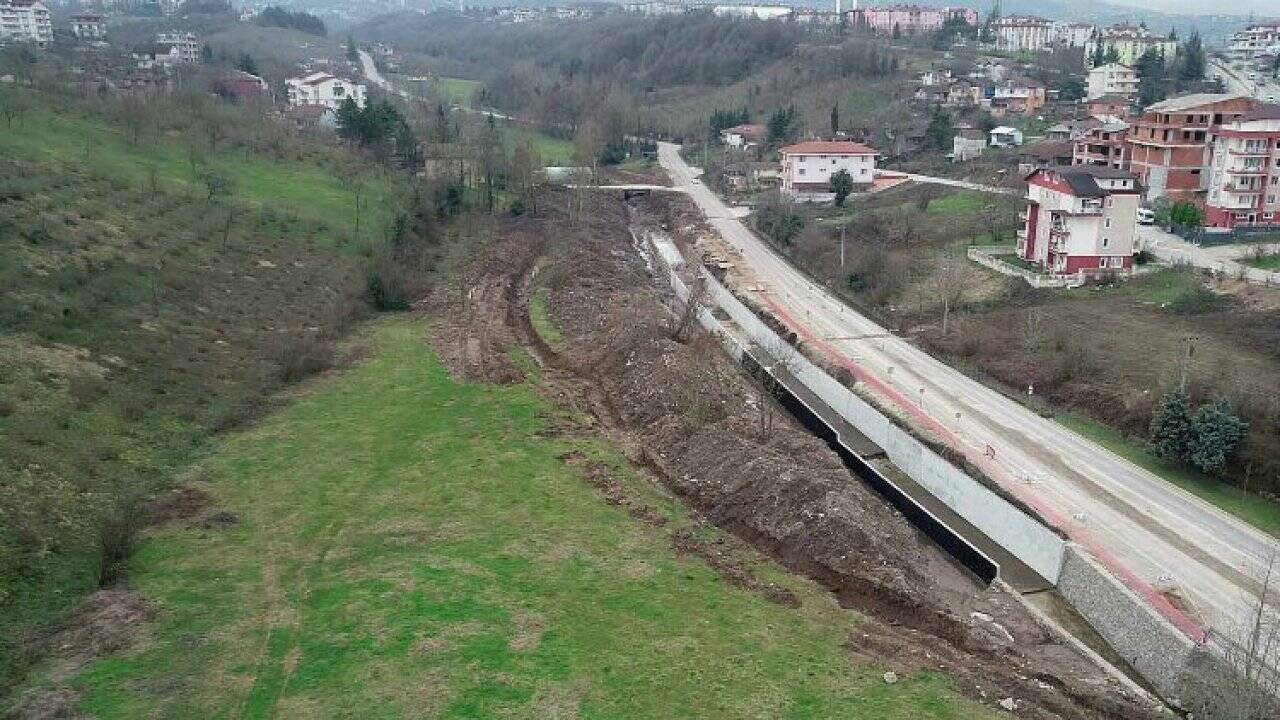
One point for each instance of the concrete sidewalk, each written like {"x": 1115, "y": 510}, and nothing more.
{"x": 1219, "y": 258}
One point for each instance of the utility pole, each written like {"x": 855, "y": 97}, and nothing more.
{"x": 1186, "y": 362}
{"x": 842, "y": 228}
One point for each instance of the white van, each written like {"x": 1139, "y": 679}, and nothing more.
{"x": 1146, "y": 216}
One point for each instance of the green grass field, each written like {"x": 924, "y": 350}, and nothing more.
{"x": 1265, "y": 262}
{"x": 456, "y": 90}
{"x": 410, "y": 546}
{"x": 964, "y": 202}
{"x": 540, "y": 316}
{"x": 312, "y": 192}
{"x": 551, "y": 151}
{"x": 1257, "y": 511}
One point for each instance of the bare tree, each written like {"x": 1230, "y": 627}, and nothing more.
{"x": 1245, "y": 684}
{"x": 784, "y": 361}
{"x": 1032, "y": 329}
{"x": 949, "y": 281}
{"x": 683, "y": 322}
{"x": 12, "y": 106}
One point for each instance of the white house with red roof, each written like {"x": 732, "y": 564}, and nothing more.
{"x": 1080, "y": 220}
{"x": 807, "y": 167}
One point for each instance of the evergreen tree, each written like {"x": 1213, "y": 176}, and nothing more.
{"x": 1151, "y": 77}
{"x": 897, "y": 31}
{"x": 1112, "y": 55}
{"x": 1215, "y": 434}
{"x": 939, "y": 133}
{"x": 841, "y": 184}
{"x": 1099, "y": 52}
{"x": 835, "y": 120}
{"x": 988, "y": 33}
{"x": 1193, "y": 61}
{"x": 352, "y": 53}
{"x": 780, "y": 124}
{"x": 1170, "y": 433}
{"x": 246, "y": 63}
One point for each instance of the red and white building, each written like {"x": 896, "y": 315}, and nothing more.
{"x": 909, "y": 19}
{"x": 1169, "y": 144}
{"x": 1244, "y": 183}
{"x": 1080, "y": 220}
{"x": 743, "y": 136}
{"x": 807, "y": 167}
{"x": 1103, "y": 145}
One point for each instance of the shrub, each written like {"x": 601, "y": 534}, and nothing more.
{"x": 1171, "y": 427}
{"x": 1196, "y": 301}
{"x": 118, "y": 538}
{"x": 1215, "y": 432}
{"x": 304, "y": 354}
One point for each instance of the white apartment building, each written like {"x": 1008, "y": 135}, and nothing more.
{"x": 1024, "y": 34}
{"x": 807, "y": 167}
{"x": 89, "y": 26}
{"x": 1244, "y": 176}
{"x": 1112, "y": 79}
{"x": 323, "y": 89}
{"x": 1072, "y": 34}
{"x": 1255, "y": 41}
{"x": 25, "y": 21}
{"x": 1130, "y": 42}
{"x": 184, "y": 46}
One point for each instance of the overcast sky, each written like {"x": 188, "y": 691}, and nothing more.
{"x": 1264, "y": 8}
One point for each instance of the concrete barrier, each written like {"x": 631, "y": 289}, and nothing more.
{"x": 1158, "y": 651}
{"x": 1024, "y": 537}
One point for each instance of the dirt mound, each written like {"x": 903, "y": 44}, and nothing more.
{"x": 104, "y": 623}
{"x": 683, "y": 410}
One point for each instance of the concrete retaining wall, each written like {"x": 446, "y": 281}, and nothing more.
{"x": 1023, "y": 536}
{"x": 1150, "y": 644}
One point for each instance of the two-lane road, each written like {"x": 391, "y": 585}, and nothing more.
{"x": 1147, "y": 532}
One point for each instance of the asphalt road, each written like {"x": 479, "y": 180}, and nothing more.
{"x": 1234, "y": 80}
{"x": 1150, "y": 534}
{"x": 1225, "y": 259}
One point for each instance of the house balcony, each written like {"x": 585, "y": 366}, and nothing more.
{"x": 1245, "y": 170}
{"x": 1242, "y": 189}
{"x": 1260, "y": 152}
{"x": 1022, "y": 234}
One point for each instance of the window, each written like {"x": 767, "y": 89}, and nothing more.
{"x": 801, "y": 171}
{"x": 1107, "y": 223}
{"x": 1111, "y": 202}
{"x": 1106, "y": 242}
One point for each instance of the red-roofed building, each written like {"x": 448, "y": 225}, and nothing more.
{"x": 807, "y": 167}
{"x": 743, "y": 136}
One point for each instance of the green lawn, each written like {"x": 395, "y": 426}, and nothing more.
{"x": 1257, "y": 511}
{"x": 409, "y": 546}
{"x": 456, "y": 90}
{"x": 1265, "y": 262}
{"x": 959, "y": 203}
{"x": 551, "y": 151}
{"x": 310, "y": 191}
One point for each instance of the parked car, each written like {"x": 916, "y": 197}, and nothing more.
{"x": 1146, "y": 216}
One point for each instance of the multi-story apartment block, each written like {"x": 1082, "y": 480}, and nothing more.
{"x": 909, "y": 19}
{"x": 1024, "y": 34}
{"x": 1072, "y": 34}
{"x": 1080, "y": 220}
{"x": 1112, "y": 79}
{"x": 184, "y": 46}
{"x": 1169, "y": 143}
{"x": 1255, "y": 41}
{"x": 1130, "y": 43}
{"x": 1103, "y": 145}
{"x": 807, "y": 167}
{"x": 89, "y": 26}
{"x": 1244, "y": 180}
{"x": 1018, "y": 95}
{"x": 25, "y": 21}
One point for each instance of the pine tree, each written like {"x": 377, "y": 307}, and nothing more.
{"x": 841, "y": 185}
{"x": 1171, "y": 427}
{"x": 835, "y": 120}
{"x": 1215, "y": 434}
{"x": 1192, "y": 59}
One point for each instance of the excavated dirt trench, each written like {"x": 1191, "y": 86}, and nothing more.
{"x": 684, "y": 413}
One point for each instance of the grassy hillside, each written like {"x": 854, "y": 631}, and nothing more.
{"x": 407, "y": 545}
{"x": 138, "y": 314}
